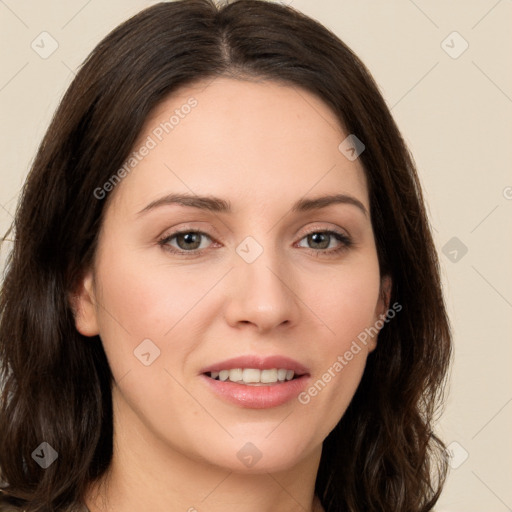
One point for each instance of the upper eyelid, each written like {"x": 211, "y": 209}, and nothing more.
{"x": 198, "y": 230}
{"x": 190, "y": 228}
{"x": 170, "y": 232}
{"x": 338, "y": 231}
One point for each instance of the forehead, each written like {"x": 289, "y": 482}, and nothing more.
{"x": 252, "y": 142}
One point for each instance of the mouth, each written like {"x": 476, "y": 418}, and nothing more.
{"x": 255, "y": 382}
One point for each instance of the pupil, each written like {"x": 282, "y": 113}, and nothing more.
{"x": 320, "y": 240}
{"x": 189, "y": 241}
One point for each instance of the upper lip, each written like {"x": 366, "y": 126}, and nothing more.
{"x": 258, "y": 362}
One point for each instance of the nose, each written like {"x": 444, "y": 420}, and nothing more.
{"x": 262, "y": 295}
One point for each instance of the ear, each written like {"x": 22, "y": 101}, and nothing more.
{"x": 381, "y": 309}
{"x": 83, "y": 304}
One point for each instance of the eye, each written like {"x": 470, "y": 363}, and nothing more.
{"x": 192, "y": 242}
{"x": 326, "y": 241}
{"x": 185, "y": 241}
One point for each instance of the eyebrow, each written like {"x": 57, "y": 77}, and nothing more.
{"x": 218, "y": 205}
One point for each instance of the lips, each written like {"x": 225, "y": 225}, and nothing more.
{"x": 259, "y": 363}
{"x": 256, "y": 382}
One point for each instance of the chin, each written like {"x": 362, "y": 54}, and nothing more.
{"x": 260, "y": 454}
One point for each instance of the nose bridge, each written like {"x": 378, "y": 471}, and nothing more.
{"x": 262, "y": 292}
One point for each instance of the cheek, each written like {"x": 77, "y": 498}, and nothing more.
{"x": 141, "y": 299}
{"x": 144, "y": 294}
{"x": 142, "y": 309}
{"x": 347, "y": 307}
{"x": 346, "y": 300}
{"x": 133, "y": 305}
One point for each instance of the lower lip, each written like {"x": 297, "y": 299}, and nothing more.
{"x": 257, "y": 397}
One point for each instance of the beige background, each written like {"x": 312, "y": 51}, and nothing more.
{"x": 455, "y": 113}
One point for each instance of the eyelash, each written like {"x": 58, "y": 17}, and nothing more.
{"x": 345, "y": 243}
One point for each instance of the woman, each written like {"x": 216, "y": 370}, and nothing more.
{"x": 223, "y": 291}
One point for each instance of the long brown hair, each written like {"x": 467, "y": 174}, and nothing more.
{"x": 56, "y": 384}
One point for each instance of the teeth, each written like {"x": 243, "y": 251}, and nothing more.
{"x": 235, "y": 375}
{"x": 268, "y": 376}
{"x": 253, "y": 375}
{"x": 250, "y": 375}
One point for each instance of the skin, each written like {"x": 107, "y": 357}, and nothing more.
{"x": 261, "y": 146}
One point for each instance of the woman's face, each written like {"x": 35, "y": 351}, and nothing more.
{"x": 240, "y": 244}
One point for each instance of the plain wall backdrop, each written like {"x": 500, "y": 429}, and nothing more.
{"x": 444, "y": 70}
